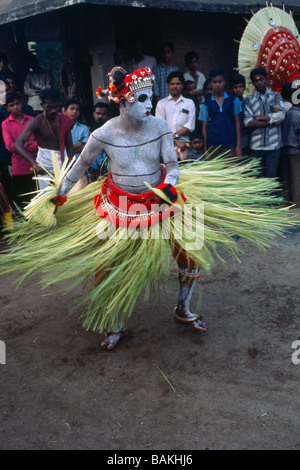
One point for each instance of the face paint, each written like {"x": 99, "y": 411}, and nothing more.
{"x": 140, "y": 109}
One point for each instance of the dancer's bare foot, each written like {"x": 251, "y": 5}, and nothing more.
{"x": 187, "y": 318}
{"x": 112, "y": 339}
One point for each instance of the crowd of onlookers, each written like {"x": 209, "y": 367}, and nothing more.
{"x": 208, "y": 116}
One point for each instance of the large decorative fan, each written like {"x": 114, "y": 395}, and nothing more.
{"x": 270, "y": 40}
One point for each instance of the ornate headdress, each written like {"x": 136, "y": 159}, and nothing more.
{"x": 270, "y": 40}
{"x": 123, "y": 84}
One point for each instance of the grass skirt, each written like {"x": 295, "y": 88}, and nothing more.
{"x": 73, "y": 245}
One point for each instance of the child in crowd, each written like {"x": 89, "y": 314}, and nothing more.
{"x": 220, "y": 119}
{"x": 22, "y": 171}
{"x": 207, "y": 90}
{"x": 189, "y": 91}
{"x": 26, "y": 108}
{"x": 238, "y": 86}
{"x": 196, "y": 147}
{"x": 80, "y": 132}
{"x": 192, "y": 62}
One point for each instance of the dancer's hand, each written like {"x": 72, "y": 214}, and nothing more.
{"x": 170, "y": 191}
{"x": 58, "y": 200}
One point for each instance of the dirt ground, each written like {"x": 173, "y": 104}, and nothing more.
{"x": 234, "y": 387}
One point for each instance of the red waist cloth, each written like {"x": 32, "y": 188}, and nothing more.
{"x": 127, "y": 209}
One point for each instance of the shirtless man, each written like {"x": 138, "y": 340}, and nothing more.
{"x": 135, "y": 142}
{"x": 52, "y": 131}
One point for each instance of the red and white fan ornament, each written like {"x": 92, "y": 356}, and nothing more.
{"x": 270, "y": 40}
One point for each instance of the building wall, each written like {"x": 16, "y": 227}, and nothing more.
{"x": 101, "y": 29}
{"x": 211, "y": 35}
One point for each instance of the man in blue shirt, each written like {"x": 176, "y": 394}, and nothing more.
{"x": 220, "y": 119}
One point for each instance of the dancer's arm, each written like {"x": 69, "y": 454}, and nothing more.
{"x": 169, "y": 158}
{"x": 90, "y": 153}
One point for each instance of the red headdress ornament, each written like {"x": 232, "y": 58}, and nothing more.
{"x": 131, "y": 83}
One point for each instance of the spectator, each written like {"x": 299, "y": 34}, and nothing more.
{"x": 99, "y": 167}
{"x": 120, "y": 57}
{"x": 283, "y": 170}
{"x": 22, "y": 171}
{"x": 192, "y": 62}
{"x": 26, "y": 108}
{"x": 189, "y": 92}
{"x": 291, "y": 148}
{"x": 80, "y": 132}
{"x": 101, "y": 114}
{"x": 207, "y": 90}
{"x": 264, "y": 113}
{"x": 286, "y": 95}
{"x": 238, "y": 86}
{"x": 5, "y": 155}
{"x": 52, "y": 131}
{"x": 76, "y": 80}
{"x": 220, "y": 118}
{"x": 4, "y": 67}
{"x": 139, "y": 59}
{"x": 162, "y": 70}
{"x": 196, "y": 147}
{"x": 179, "y": 112}
{"x": 36, "y": 80}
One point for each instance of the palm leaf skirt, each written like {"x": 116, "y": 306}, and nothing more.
{"x": 222, "y": 200}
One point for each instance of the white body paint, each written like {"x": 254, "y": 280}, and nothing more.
{"x": 135, "y": 143}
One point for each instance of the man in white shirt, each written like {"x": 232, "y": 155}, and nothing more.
{"x": 179, "y": 112}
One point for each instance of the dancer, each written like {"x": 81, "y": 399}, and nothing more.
{"x": 131, "y": 240}
{"x": 135, "y": 141}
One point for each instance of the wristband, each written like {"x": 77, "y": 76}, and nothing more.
{"x": 170, "y": 191}
{"x": 58, "y": 200}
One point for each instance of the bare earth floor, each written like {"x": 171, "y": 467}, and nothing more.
{"x": 234, "y": 387}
